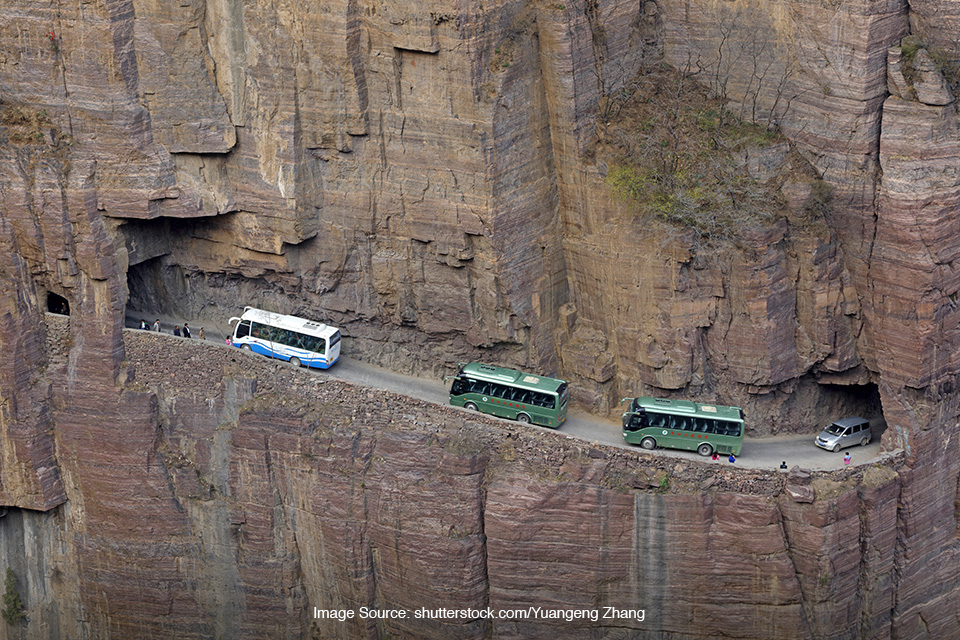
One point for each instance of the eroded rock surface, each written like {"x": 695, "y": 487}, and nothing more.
{"x": 223, "y": 494}
{"x": 431, "y": 179}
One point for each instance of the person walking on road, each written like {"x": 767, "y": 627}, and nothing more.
{"x": 143, "y": 324}
{"x": 156, "y": 325}
{"x": 186, "y": 330}
{"x": 202, "y": 334}
{"x": 846, "y": 458}
{"x": 176, "y": 331}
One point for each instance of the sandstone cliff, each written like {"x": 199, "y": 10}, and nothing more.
{"x": 223, "y": 495}
{"x": 430, "y": 177}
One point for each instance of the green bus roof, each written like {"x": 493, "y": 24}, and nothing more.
{"x": 687, "y": 408}
{"x": 512, "y": 377}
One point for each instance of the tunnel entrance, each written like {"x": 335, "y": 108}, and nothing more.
{"x": 846, "y": 401}
{"x": 809, "y": 406}
{"x": 57, "y": 304}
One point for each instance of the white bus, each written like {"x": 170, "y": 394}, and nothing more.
{"x": 298, "y": 340}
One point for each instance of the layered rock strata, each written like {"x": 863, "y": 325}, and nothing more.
{"x": 430, "y": 179}
{"x": 222, "y": 494}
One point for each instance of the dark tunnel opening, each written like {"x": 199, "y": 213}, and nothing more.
{"x": 57, "y": 304}
{"x": 847, "y": 401}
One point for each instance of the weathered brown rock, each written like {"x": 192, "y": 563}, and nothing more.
{"x": 29, "y": 472}
{"x": 290, "y": 492}
{"x": 431, "y": 180}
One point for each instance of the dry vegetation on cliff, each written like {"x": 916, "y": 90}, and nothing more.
{"x": 681, "y": 156}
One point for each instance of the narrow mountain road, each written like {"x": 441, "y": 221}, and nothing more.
{"x": 757, "y": 453}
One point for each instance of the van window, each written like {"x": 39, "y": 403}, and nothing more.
{"x": 834, "y": 429}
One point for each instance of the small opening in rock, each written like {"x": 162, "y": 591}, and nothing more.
{"x": 57, "y": 304}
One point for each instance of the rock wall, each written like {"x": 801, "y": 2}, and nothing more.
{"x": 218, "y": 494}
{"x": 431, "y": 179}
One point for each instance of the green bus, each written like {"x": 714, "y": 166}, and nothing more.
{"x": 509, "y": 393}
{"x": 680, "y": 424}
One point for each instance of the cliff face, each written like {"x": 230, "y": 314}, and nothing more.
{"x": 242, "y": 494}
{"x": 431, "y": 178}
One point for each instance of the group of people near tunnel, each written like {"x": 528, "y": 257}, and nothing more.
{"x": 183, "y": 332}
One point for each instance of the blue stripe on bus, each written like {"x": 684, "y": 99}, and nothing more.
{"x": 317, "y": 362}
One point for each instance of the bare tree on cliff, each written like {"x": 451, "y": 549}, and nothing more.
{"x": 618, "y": 81}
{"x": 748, "y": 67}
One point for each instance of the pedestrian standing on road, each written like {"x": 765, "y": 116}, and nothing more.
{"x": 846, "y": 458}
{"x": 203, "y": 336}
{"x": 732, "y": 458}
{"x": 186, "y": 330}
{"x": 156, "y": 325}
{"x": 176, "y": 331}
{"x": 783, "y": 466}
{"x": 143, "y": 324}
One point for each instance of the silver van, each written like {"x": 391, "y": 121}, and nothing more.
{"x": 845, "y": 433}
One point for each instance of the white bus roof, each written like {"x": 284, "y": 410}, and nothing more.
{"x": 291, "y": 323}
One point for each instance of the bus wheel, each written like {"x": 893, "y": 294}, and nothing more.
{"x": 470, "y": 407}
{"x": 648, "y": 443}
{"x": 704, "y": 449}
{"x": 864, "y": 442}
{"x": 295, "y": 361}
{"x": 245, "y": 347}
{"x": 524, "y": 418}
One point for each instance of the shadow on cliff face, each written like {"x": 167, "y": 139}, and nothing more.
{"x": 841, "y": 401}
{"x": 807, "y": 406}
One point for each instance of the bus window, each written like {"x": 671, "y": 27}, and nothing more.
{"x": 243, "y": 329}
{"x": 257, "y": 331}
{"x": 459, "y": 387}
